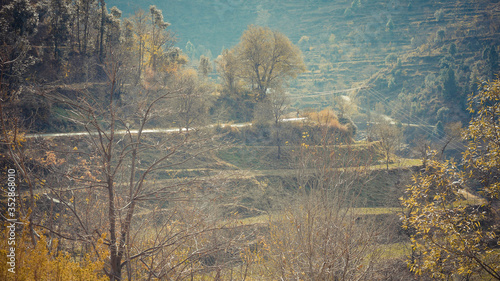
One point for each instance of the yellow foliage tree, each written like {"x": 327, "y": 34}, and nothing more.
{"x": 451, "y": 237}
{"x": 228, "y": 68}
{"x": 148, "y": 40}
{"x": 44, "y": 262}
{"x": 267, "y": 58}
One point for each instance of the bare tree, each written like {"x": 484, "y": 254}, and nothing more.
{"x": 422, "y": 145}
{"x": 118, "y": 172}
{"x": 229, "y": 68}
{"x": 279, "y": 104}
{"x": 345, "y": 106}
{"x": 452, "y": 135}
{"x": 317, "y": 234}
{"x": 191, "y": 103}
{"x": 389, "y": 137}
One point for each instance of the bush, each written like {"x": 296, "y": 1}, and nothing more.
{"x": 351, "y": 127}
{"x": 453, "y": 49}
{"x": 440, "y": 34}
{"x": 439, "y": 130}
{"x": 442, "y": 114}
{"x": 391, "y": 82}
{"x": 391, "y": 59}
{"x": 44, "y": 262}
{"x": 450, "y": 88}
{"x": 430, "y": 80}
{"x": 439, "y": 15}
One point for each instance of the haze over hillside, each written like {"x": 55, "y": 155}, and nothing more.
{"x": 249, "y": 140}
{"x": 218, "y": 24}
{"x": 391, "y": 46}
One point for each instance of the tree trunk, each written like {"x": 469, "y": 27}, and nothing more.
{"x": 101, "y": 45}
{"x": 278, "y": 141}
{"x": 115, "y": 259}
{"x": 85, "y": 27}
{"x": 78, "y": 28}
{"x": 387, "y": 161}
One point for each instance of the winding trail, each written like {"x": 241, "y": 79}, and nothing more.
{"x": 146, "y": 131}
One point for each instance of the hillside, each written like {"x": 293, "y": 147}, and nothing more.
{"x": 391, "y": 46}
{"x": 249, "y": 140}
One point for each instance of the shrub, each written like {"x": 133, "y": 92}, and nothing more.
{"x": 44, "y": 262}
{"x": 439, "y": 15}
{"x": 391, "y": 59}
{"x": 439, "y": 130}
{"x": 440, "y": 34}
{"x": 453, "y": 49}
{"x": 442, "y": 114}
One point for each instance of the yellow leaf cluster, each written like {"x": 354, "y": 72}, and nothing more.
{"x": 451, "y": 237}
{"x": 41, "y": 262}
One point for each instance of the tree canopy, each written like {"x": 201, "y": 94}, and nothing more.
{"x": 268, "y": 59}
{"x": 452, "y": 235}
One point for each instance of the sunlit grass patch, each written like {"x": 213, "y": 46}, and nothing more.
{"x": 470, "y": 199}
{"x": 265, "y": 218}
{"x": 395, "y": 250}
{"x": 376, "y": 211}
{"x": 260, "y": 219}
{"x": 399, "y": 163}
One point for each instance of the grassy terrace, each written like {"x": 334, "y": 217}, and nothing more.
{"x": 253, "y": 175}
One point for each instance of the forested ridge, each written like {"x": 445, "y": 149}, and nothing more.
{"x": 249, "y": 140}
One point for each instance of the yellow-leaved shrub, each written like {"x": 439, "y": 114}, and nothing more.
{"x": 38, "y": 263}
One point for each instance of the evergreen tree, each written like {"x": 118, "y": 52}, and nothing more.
{"x": 104, "y": 13}
{"x": 60, "y": 15}
{"x": 18, "y": 24}
{"x": 158, "y": 35}
{"x": 113, "y": 27}
{"x": 492, "y": 61}
{"x": 450, "y": 88}
{"x": 204, "y": 66}
{"x": 440, "y": 34}
{"x": 84, "y": 10}
{"x": 453, "y": 49}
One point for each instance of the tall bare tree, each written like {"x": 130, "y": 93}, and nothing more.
{"x": 159, "y": 36}
{"x": 119, "y": 170}
{"x": 318, "y": 235}
{"x": 191, "y": 104}
{"x": 279, "y": 103}
{"x": 389, "y": 137}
